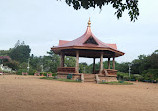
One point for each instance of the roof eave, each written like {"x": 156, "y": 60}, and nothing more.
{"x": 90, "y": 48}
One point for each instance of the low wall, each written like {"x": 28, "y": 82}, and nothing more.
{"x": 108, "y": 79}
{"x": 74, "y": 76}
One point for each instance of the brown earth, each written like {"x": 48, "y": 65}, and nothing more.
{"x": 29, "y": 93}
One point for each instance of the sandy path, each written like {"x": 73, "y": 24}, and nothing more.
{"x": 28, "y": 93}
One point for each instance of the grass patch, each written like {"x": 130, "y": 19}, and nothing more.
{"x": 117, "y": 83}
{"x": 65, "y": 80}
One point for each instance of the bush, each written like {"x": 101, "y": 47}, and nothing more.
{"x": 151, "y": 74}
{"x": 54, "y": 74}
{"x": 120, "y": 75}
{"x": 19, "y": 72}
{"x": 126, "y": 78}
{"x": 138, "y": 77}
{"x": 44, "y": 73}
{"x": 31, "y": 72}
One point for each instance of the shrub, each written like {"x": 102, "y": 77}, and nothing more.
{"x": 126, "y": 78}
{"x": 151, "y": 74}
{"x": 44, "y": 73}
{"x": 54, "y": 74}
{"x": 120, "y": 75}
{"x": 31, "y": 72}
{"x": 138, "y": 77}
{"x": 19, "y": 72}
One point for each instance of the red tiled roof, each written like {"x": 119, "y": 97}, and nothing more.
{"x": 62, "y": 42}
{"x": 5, "y": 57}
{"x": 81, "y": 41}
{"x": 112, "y": 45}
{"x": 87, "y": 41}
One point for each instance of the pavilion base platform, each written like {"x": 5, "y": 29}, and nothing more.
{"x": 63, "y": 72}
{"x": 107, "y": 75}
{"x": 107, "y": 79}
{"x": 61, "y": 75}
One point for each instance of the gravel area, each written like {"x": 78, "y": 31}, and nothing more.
{"x": 29, "y": 93}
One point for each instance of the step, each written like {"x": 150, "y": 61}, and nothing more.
{"x": 89, "y": 76}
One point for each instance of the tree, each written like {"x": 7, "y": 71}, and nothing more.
{"x": 119, "y": 5}
{"x": 83, "y": 68}
{"x": 21, "y": 53}
{"x": 53, "y": 61}
{"x": 122, "y": 67}
{"x": 69, "y": 61}
{"x": 4, "y": 52}
{"x": 12, "y": 64}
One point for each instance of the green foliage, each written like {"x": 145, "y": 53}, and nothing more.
{"x": 4, "y": 52}
{"x": 19, "y": 72}
{"x": 121, "y": 75}
{"x": 51, "y": 62}
{"x": 143, "y": 68}
{"x": 145, "y": 63}
{"x": 54, "y": 74}
{"x": 1, "y": 70}
{"x": 119, "y": 5}
{"x": 70, "y": 61}
{"x": 122, "y": 67}
{"x": 117, "y": 83}
{"x": 151, "y": 74}
{"x": 83, "y": 68}
{"x": 138, "y": 77}
{"x": 20, "y": 53}
{"x": 43, "y": 73}
{"x": 12, "y": 64}
{"x": 31, "y": 72}
{"x": 126, "y": 78}
{"x": 23, "y": 65}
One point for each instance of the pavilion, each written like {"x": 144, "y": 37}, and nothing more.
{"x": 90, "y": 47}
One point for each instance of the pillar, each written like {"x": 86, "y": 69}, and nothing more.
{"x": 77, "y": 61}
{"x": 113, "y": 63}
{"x": 101, "y": 62}
{"x": 62, "y": 56}
{"x": 108, "y": 63}
{"x": 93, "y": 65}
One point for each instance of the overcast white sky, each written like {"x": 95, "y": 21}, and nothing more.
{"x": 42, "y": 23}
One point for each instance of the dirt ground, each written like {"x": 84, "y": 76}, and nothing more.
{"x": 29, "y": 93}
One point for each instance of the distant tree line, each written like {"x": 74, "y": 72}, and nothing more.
{"x": 144, "y": 65}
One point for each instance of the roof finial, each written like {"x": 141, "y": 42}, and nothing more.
{"x": 89, "y": 22}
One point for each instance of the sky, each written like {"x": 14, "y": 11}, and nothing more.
{"x": 42, "y": 23}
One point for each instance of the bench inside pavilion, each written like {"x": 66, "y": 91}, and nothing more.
{"x": 87, "y": 46}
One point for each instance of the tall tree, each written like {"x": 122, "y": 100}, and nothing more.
{"x": 119, "y": 5}
{"x": 21, "y": 53}
{"x": 53, "y": 61}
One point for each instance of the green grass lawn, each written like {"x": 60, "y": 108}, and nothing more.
{"x": 65, "y": 80}
{"x": 117, "y": 83}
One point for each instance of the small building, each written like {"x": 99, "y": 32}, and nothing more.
{"x": 5, "y": 68}
{"x": 87, "y": 46}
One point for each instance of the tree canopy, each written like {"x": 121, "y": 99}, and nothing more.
{"x": 20, "y": 53}
{"x": 119, "y": 5}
